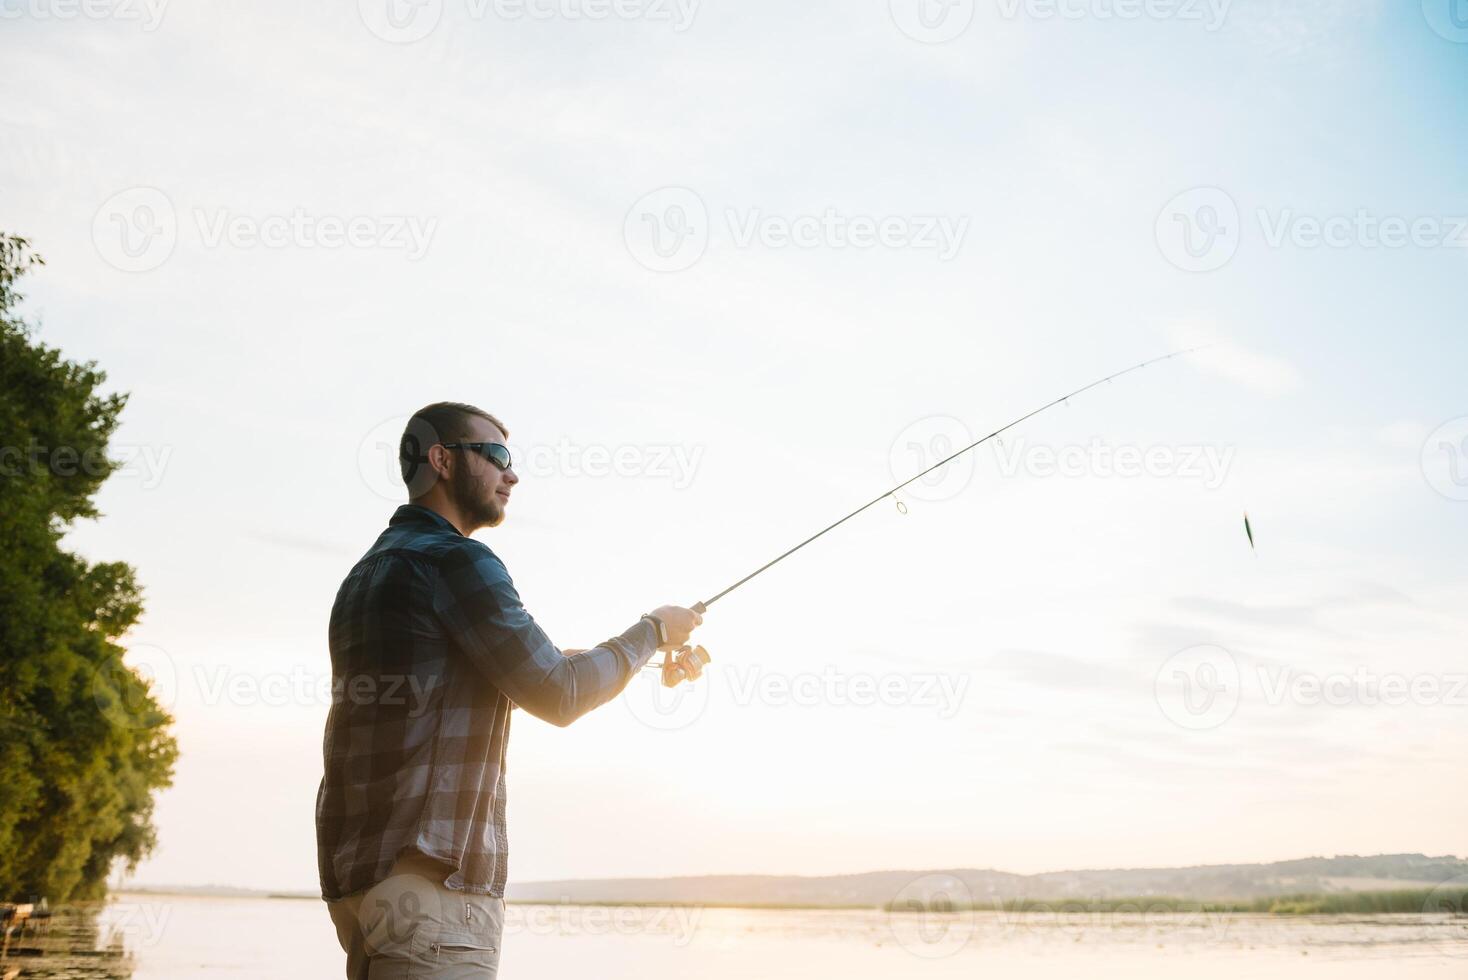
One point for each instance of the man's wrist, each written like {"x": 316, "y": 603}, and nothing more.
{"x": 658, "y": 628}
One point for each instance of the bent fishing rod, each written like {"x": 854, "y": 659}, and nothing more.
{"x": 682, "y": 667}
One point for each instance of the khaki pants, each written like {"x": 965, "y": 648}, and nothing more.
{"x": 410, "y": 927}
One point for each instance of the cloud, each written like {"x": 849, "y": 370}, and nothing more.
{"x": 1058, "y": 671}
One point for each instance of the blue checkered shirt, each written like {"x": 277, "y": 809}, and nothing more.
{"x": 430, "y": 650}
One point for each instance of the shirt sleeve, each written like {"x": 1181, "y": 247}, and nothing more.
{"x": 477, "y": 603}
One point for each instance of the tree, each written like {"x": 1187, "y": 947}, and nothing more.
{"x": 83, "y": 744}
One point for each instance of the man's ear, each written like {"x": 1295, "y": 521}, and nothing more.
{"x": 440, "y": 460}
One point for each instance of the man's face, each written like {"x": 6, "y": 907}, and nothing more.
{"x": 480, "y": 489}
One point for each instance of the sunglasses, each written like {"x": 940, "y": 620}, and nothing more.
{"x": 494, "y": 452}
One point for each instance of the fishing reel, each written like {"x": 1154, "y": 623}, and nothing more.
{"x": 684, "y": 664}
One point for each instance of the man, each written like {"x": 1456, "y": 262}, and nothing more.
{"x": 430, "y": 650}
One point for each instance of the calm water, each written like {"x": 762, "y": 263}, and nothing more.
{"x": 168, "y": 938}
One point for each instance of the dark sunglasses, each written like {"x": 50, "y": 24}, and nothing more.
{"x": 492, "y": 451}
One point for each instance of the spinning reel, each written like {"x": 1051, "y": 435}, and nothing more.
{"x": 683, "y": 664}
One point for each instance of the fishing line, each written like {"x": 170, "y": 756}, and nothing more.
{"x": 702, "y": 607}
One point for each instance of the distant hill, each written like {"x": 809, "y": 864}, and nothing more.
{"x": 1222, "y": 882}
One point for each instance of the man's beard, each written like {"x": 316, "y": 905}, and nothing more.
{"x": 479, "y": 509}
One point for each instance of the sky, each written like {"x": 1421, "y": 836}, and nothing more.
{"x": 727, "y": 271}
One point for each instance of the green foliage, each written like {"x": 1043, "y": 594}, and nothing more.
{"x": 1447, "y": 899}
{"x": 83, "y": 745}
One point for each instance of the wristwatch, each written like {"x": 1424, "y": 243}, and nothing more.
{"x": 658, "y": 627}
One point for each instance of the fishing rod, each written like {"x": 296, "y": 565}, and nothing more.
{"x": 682, "y": 667}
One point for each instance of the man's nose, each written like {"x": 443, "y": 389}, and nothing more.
{"x": 510, "y": 477}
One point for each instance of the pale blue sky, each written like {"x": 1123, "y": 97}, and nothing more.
{"x": 521, "y": 148}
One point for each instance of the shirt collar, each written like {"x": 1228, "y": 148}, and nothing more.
{"x": 418, "y": 514}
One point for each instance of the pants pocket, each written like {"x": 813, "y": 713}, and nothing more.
{"x": 458, "y": 956}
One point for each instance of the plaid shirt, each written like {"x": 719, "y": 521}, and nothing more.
{"x": 430, "y": 649}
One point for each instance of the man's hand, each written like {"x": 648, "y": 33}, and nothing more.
{"x": 679, "y": 623}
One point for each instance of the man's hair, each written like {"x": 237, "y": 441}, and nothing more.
{"x": 430, "y": 425}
